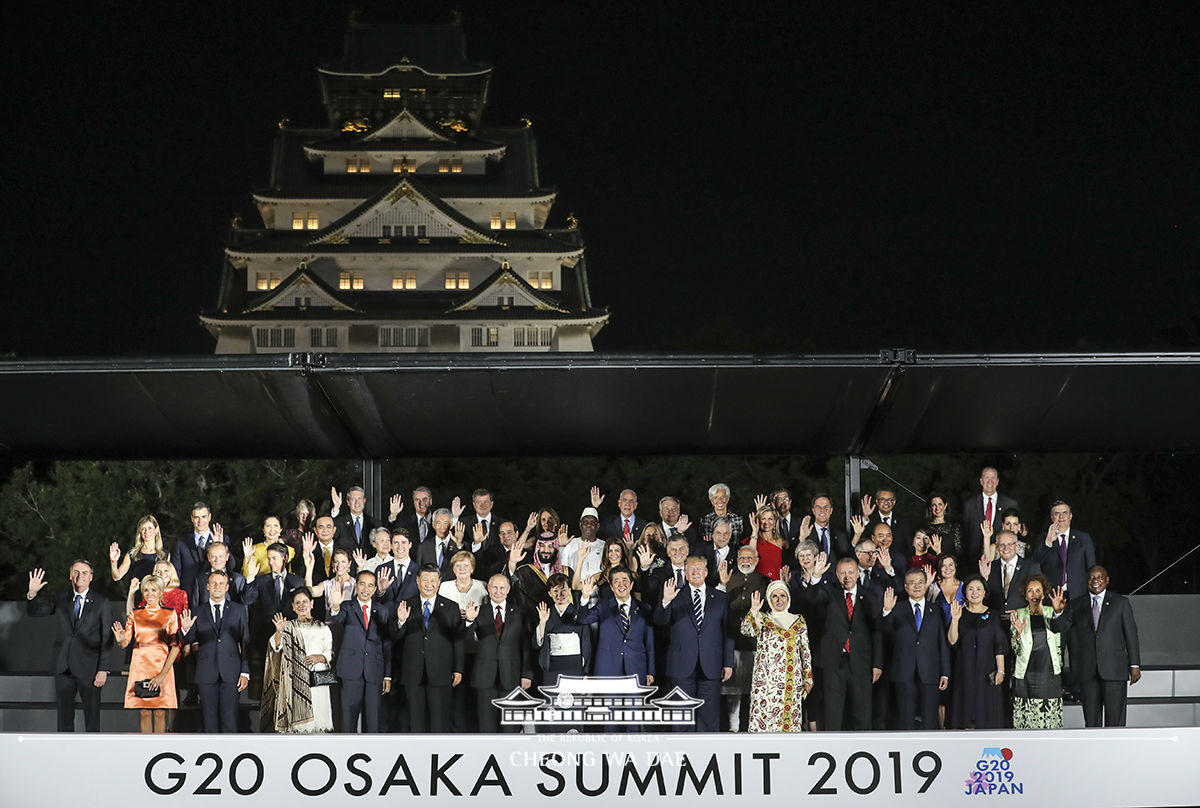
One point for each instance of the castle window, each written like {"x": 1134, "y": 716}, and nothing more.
{"x": 323, "y": 337}
{"x": 510, "y": 221}
{"x": 496, "y": 220}
{"x": 541, "y": 280}
{"x": 390, "y": 92}
{"x": 350, "y": 280}
{"x": 395, "y": 336}
{"x": 402, "y": 165}
{"x": 275, "y": 337}
{"x": 404, "y": 280}
{"x": 360, "y": 165}
{"x": 266, "y": 280}
{"x": 458, "y": 280}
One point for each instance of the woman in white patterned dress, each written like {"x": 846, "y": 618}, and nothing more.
{"x": 782, "y": 662}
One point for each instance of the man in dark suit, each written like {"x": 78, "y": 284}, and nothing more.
{"x": 850, "y": 652}
{"x": 441, "y": 545}
{"x": 482, "y": 504}
{"x": 1107, "y": 653}
{"x": 987, "y": 505}
{"x": 364, "y": 662}
{"x": 919, "y": 666}
{"x": 1006, "y": 576}
{"x": 720, "y": 551}
{"x": 268, "y": 593}
{"x": 884, "y": 513}
{"x": 221, "y": 629}
{"x": 417, "y": 520}
{"x": 354, "y": 526}
{"x": 500, "y": 632}
{"x": 79, "y": 660}
{"x": 830, "y": 539}
{"x": 402, "y": 585}
{"x": 700, "y": 645}
{"x": 218, "y": 558}
{"x": 1065, "y": 555}
{"x": 789, "y": 521}
{"x": 674, "y": 521}
{"x": 191, "y": 549}
{"x": 625, "y": 637}
{"x": 624, "y": 523}
{"x": 650, "y": 584}
{"x": 428, "y": 645}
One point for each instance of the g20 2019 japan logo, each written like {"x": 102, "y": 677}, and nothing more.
{"x": 993, "y": 773}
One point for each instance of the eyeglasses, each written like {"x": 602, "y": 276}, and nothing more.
{"x": 886, "y": 499}
{"x": 867, "y": 552}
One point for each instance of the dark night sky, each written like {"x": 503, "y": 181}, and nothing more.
{"x": 838, "y": 178}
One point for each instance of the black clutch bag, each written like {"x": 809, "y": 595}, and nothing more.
{"x": 322, "y": 678}
{"x": 142, "y": 690}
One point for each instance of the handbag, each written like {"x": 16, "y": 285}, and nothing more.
{"x": 322, "y": 678}
{"x": 142, "y": 690}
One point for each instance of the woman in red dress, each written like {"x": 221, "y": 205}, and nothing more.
{"x": 765, "y": 538}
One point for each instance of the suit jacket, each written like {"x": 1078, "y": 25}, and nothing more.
{"x": 902, "y": 532}
{"x": 613, "y": 526}
{"x": 426, "y": 553}
{"x": 366, "y": 652}
{"x": 199, "y": 595}
{"x": 923, "y": 652}
{"x": 839, "y": 542}
{"x": 739, "y": 590}
{"x": 260, "y": 594}
{"x": 1081, "y": 556}
{"x": 1110, "y": 648}
{"x": 973, "y": 516}
{"x": 1016, "y": 592}
{"x": 469, "y": 520}
{"x": 619, "y": 653}
{"x": 710, "y": 647}
{"x": 708, "y": 551}
{"x": 402, "y": 588}
{"x": 429, "y": 655}
{"x": 344, "y": 536}
{"x": 407, "y": 519}
{"x": 81, "y": 647}
{"x": 189, "y": 562}
{"x": 566, "y": 623}
{"x": 221, "y": 655}
{"x": 790, "y": 530}
{"x": 863, "y": 631}
{"x": 503, "y": 660}
{"x": 650, "y": 584}
{"x": 693, "y": 538}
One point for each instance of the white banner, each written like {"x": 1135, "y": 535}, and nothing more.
{"x": 1126, "y": 767}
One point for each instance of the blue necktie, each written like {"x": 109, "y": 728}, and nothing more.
{"x": 825, "y": 540}
{"x": 426, "y": 611}
{"x": 917, "y": 614}
{"x": 78, "y": 605}
{"x": 697, "y": 609}
{"x": 358, "y": 530}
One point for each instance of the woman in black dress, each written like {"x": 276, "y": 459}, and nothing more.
{"x": 977, "y": 641}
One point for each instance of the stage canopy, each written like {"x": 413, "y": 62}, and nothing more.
{"x": 381, "y": 406}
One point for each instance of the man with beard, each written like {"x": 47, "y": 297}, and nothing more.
{"x": 531, "y": 579}
{"x": 740, "y": 584}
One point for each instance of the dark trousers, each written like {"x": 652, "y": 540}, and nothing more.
{"x": 846, "y": 690}
{"x": 915, "y": 698}
{"x": 429, "y": 707}
{"x": 489, "y": 714}
{"x": 1102, "y": 696}
{"x": 360, "y": 697}
{"x": 708, "y": 714}
{"x": 219, "y": 706}
{"x": 65, "y": 688}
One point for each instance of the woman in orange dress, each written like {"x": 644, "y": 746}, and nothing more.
{"x": 154, "y": 632}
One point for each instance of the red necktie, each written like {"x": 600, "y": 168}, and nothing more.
{"x": 987, "y": 513}
{"x": 499, "y": 621}
{"x": 626, "y": 533}
{"x": 366, "y": 615}
{"x": 849, "y": 618}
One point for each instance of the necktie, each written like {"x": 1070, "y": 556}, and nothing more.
{"x": 825, "y": 540}
{"x": 679, "y": 579}
{"x": 328, "y": 559}
{"x": 217, "y": 616}
{"x": 987, "y": 512}
{"x": 358, "y": 530}
{"x": 627, "y": 530}
{"x": 625, "y": 618}
{"x": 499, "y": 621}
{"x": 484, "y": 524}
{"x": 887, "y": 520}
{"x": 917, "y": 615}
{"x": 849, "y": 619}
{"x": 426, "y": 613}
{"x": 1007, "y": 578}
{"x": 366, "y": 615}
{"x": 441, "y": 549}
{"x": 279, "y": 588}
{"x": 422, "y": 527}
{"x": 697, "y": 608}
{"x": 1096, "y": 603}
{"x": 1062, "y": 554}
{"x": 202, "y": 541}
{"x": 78, "y": 605}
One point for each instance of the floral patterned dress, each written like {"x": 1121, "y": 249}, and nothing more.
{"x": 782, "y": 666}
